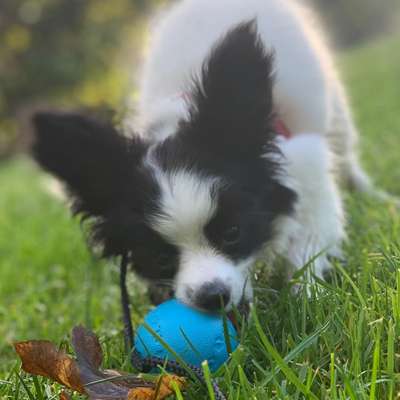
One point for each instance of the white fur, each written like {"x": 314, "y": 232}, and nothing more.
{"x": 309, "y": 98}
{"x": 317, "y": 226}
{"x": 186, "y": 208}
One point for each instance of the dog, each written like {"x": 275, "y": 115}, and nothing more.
{"x": 239, "y": 141}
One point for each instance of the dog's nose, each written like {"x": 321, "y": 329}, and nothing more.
{"x": 213, "y": 296}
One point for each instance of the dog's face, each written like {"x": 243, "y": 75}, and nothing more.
{"x": 195, "y": 209}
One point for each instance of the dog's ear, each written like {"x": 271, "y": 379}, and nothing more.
{"x": 232, "y": 101}
{"x": 97, "y": 164}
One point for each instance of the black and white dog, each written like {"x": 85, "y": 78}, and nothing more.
{"x": 210, "y": 179}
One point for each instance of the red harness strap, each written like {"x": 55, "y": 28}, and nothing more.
{"x": 281, "y": 129}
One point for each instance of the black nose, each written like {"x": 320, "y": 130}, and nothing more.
{"x": 212, "y": 296}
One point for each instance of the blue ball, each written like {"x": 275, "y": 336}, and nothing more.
{"x": 194, "y": 335}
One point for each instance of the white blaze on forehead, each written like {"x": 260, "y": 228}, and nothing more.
{"x": 187, "y": 204}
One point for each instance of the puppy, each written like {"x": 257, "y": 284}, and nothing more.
{"x": 240, "y": 133}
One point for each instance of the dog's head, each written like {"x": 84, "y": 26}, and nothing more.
{"x": 196, "y": 208}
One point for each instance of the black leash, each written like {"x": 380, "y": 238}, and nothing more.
{"x": 148, "y": 363}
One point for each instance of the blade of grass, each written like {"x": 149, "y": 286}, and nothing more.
{"x": 290, "y": 375}
{"x": 302, "y": 346}
{"x": 38, "y": 389}
{"x": 352, "y": 284}
{"x": 178, "y": 358}
{"x": 190, "y": 344}
{"x": 208, "y": 379}
{"x": 349, "y": 388}
{"x": 333, "y": 392}
{"x": 28, "y": 392}
{"x": 376, "y": 361}
{"x": 177, "y": 390}
{"x": 390, "y": 358}
{"x": 226, "y": 333}
{"x": 244, "y": 383}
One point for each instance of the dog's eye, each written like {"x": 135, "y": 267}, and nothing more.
{"x": 232, "y": 235}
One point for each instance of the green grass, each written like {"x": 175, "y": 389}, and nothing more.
{"x": 341, "y": 343}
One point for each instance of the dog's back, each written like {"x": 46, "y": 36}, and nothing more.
{"x": 183, "y": 39}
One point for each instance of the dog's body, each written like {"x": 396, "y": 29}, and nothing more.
{"x": 308, "y": 97}
{"x": 205, "y": 184}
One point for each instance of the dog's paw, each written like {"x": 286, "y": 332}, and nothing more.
{"x": 324, "y": 264}
{"x": 320, "y": 269}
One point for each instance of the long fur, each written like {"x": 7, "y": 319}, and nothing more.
{"x": 205, "y": 185}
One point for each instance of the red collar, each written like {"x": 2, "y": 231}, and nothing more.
{"x": 281, "y": 129}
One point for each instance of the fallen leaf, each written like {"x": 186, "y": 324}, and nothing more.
{"x": 87, "y": 347}
{"x": 41, "y": 357}
{"x": 100, "y": 384}
{"x": 141, "y": 394}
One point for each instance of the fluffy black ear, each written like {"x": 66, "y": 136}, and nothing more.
{"x": 232, "y": 101}
{"x": 93, "y": 159}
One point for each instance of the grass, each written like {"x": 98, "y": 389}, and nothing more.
{"x": 340, "y": 343}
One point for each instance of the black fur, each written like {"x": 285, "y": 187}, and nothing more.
{"x": 97, "y": 163}
{"x": 232, "y": 102}
{"x": 252, "y": 214}
{"x": 99, "y": 167}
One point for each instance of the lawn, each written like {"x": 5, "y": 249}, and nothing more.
{"x": 341, "y": 343}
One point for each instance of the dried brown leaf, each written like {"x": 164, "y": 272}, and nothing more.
{"x": 100, "y": 384}
{"x": 87, "y": 347}
{"x": 41, "y": 357}
{"x": 164, "y": 389}
{"x": 141, "y": 394}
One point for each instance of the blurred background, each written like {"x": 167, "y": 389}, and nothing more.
{"x": 83, "y": 53}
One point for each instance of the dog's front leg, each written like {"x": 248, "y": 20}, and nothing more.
{"x": 315, "y": 231}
